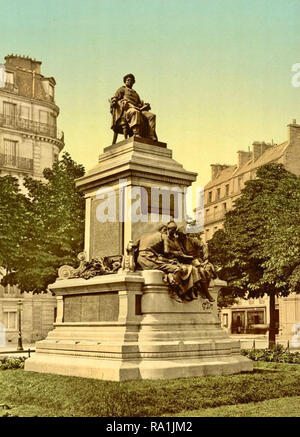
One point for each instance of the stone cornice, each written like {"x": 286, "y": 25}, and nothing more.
{"x": 46, "y": 103}
{"x": 34, "y": 136}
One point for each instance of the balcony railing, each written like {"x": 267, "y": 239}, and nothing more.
{"x": 27, "y": 125}
{"x": 214, "y": 217}
{"x": 18, "y": 162}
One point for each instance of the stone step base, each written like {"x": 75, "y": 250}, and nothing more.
{"x": 118, "y": 370}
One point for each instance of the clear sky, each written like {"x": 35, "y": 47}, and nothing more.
{"x": 216, "y": 72}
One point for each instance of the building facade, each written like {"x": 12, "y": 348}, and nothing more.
{"x": 224, "y": 188}
{"x": 29, "y": 139}
{"x": 29, "y": 142}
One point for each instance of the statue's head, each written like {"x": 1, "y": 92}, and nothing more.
{"x": 172, "y": 227}
{"x": 181, "y": 231}
{"x": 129, "y": 79}
{"x": 162, "y": 228}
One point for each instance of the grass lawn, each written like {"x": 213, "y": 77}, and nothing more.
{"x": 284, "y": 407}
{"x": 33, "y": 394}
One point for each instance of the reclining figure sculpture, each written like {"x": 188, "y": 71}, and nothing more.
{"x": 183, "y": 259}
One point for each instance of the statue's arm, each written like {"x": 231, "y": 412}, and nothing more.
{"x": 119, "y": 94}
{"x": 142, "y": 105}
{"x": 168, "y": 250}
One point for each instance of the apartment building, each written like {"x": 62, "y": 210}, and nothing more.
{"x": 220, "y": 192}
{"x": 29, "y": 142}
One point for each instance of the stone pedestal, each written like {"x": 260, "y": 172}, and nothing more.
{"x": 130, "y": 180}
{"x": 125, "y": 326}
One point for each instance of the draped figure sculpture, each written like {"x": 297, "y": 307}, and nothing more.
{"x": 186, "y": 273}
{"x": 130, "y": 115}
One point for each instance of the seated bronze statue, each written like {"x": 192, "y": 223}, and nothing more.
{"x": 130, "y": 115}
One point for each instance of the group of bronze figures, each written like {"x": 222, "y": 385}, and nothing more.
{"x": 183, "y": 259}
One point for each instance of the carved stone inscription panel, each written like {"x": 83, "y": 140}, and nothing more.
{"x": 100, "y": 307}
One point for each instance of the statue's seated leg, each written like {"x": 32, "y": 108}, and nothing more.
{"x": 135, "y": 121}
{"x": 125, "y": 130}
{"x": 205, "y": 292}
{"x": 151, "y": 123}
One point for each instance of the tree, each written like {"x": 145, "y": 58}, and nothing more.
{"x": 226, "y": 298}
{"x": 258, "y": 251}
{"x": 14, "y": 218}
{"x": 54, "y": 233}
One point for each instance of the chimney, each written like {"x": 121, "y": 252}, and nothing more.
{"x": 23, "y": 62}
{"x": 258, "y": 148}
{"x": 293, "y": 132}
{"x": 243, "y": 157}
{"x": 216, "y": 169}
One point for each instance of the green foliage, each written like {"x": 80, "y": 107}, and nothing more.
{"x": 258, "y": 251}
{"x": 11, "y": 363}
{"x": 14, "y": 219}
{"x": 52, "y": 234}
{"x": 226, "y": 298}
{"x": 275, "y": 355}
{"x": 55, "y": 395}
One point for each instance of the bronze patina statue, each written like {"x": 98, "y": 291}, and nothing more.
{"x": 186, "y": 268}
{"x": 130, "y": 115}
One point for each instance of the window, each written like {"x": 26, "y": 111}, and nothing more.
{"x": 9, "y": 77}
{"x": 240, "y": 181}
{"x": 238, "y": 322}
{"x": 218, "y": 193}
{"x": 227, "y": 189}
{"x": 225, "y": 320}
{"x": 10, "y": 152}
{"x": 215, "y": 211}
{"x": 43, "y": 117}
{"x": 224, "y": 207}
{"x": 9, "y": 109}
{"x": 256, "y": 317}
{"x": 210, "y": 196}
{"x": 10, "y": 319}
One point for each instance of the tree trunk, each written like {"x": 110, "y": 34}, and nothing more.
{"x": 272, "y": 335}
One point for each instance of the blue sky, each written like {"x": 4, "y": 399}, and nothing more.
{"x": 217, "y": 73}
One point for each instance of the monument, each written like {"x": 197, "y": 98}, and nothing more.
{"x": 142, "y": 303}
